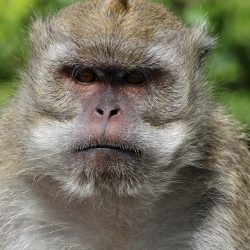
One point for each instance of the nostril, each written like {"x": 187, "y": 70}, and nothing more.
{"x": 110, "y": 113}
{"x": 100, "y": 111}
{"x": 114, "y": 112}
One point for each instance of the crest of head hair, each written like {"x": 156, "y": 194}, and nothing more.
{"x": 117, "y": 6}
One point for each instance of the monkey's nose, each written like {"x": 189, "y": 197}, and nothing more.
{"x": 107, "y": 112}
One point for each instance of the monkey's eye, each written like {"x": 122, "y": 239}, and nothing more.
{"x": 84, "y": 75}
{"x": 135, "y": 78}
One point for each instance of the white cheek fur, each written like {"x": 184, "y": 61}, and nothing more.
{"x": 166, "y": 141}
{"x": 52, "y": 135}
{"x": 173, "y": 136}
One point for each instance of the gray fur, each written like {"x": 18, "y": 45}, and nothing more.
{"x": 188, "y": 190}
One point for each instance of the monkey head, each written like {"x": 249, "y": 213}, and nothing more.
{"x": 110, "y": 98}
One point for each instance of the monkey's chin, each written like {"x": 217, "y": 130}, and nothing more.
{"x": 106, "y": 171}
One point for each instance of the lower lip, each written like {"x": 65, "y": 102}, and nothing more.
{"x": 103, "y": 153}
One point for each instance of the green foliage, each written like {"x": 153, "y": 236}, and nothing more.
{"x": 14, "y": 19}
{"x": 5, "y": 93}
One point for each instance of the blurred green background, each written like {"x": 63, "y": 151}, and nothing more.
{"x": 229, "y": 64}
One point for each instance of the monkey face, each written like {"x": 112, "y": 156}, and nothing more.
{"x": 111, "y": 99}
{"x": 111, "y": 144}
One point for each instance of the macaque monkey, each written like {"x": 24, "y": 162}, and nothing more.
{"x": 113, "y": 141}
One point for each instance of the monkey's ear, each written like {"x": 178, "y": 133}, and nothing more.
{"x": 116, "y": 6}
{"x": 200, "y": 41}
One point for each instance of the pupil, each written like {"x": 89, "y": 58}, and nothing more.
{"x": 87, "y": 76}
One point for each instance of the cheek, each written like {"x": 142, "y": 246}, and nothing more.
{"x": 173, "y": 137}
{"x": 51, "y": 136}
{"x": 166, "y": 141}
{"x": 165, "y": 106}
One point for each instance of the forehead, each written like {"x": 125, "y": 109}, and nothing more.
{"x": 140, "y": 18}
{"x": 104, "y": 30}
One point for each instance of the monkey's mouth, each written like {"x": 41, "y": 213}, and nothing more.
{"x": 108, "y": 147}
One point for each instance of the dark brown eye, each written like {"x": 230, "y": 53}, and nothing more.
{"x": 85, "y": 75}
{"x": 135, "y": 78}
